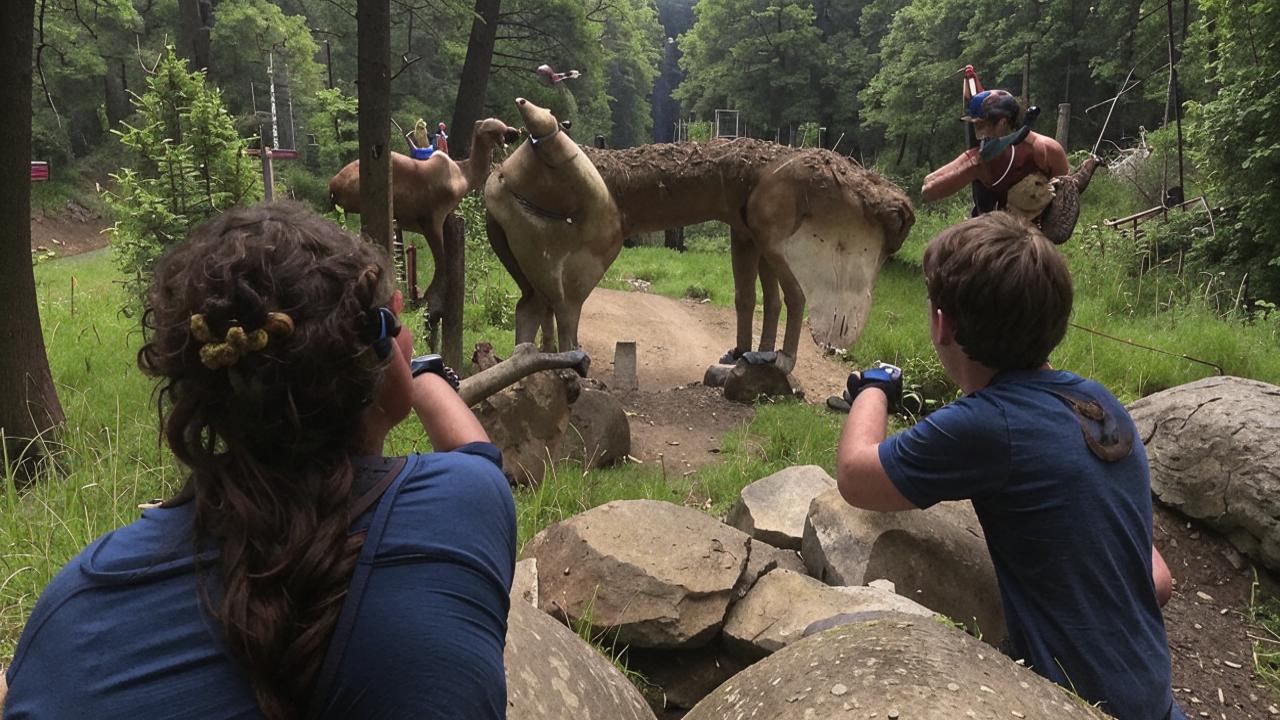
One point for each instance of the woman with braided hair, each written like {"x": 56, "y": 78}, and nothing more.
{"x": 298, "y": 573}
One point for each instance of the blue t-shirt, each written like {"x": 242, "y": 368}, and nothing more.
{"x": 121, "y": 631}
{"x": 1069, "y": 534}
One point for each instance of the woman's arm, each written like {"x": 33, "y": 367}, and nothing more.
{"x": 448, "y": 421}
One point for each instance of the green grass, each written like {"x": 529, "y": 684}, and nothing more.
{"x": 109, "y": 458}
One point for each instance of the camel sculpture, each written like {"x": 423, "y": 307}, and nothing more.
{"x": 808, "y": 222}
{"x": 424, "y": 192}
{"x": 564, "y": 227}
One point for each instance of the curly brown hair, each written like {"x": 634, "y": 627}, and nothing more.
{"x": 268, "y": 437}
{"x": 1004, "y": 285}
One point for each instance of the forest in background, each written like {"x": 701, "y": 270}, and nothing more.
{"x": 874, "y": 78}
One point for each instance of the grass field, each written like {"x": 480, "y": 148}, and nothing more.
{"x": 109, "y": 458}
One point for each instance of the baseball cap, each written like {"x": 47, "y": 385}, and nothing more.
{"x": 992, "y": 103}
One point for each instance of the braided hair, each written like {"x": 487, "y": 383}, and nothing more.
{"x": 266, "y": 422}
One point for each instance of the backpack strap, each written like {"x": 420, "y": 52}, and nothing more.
{"x": 381, "y": 492}
{"x": 1107, "y": 439}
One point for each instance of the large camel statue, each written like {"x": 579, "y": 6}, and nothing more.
{"x": 563, "y": 226}
{"x": 808, "y": 221}
{"x": 424, "y": 192}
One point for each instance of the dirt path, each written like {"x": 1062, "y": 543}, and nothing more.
{"x": 675, "y": 419}
{"x": 67, "y": 236}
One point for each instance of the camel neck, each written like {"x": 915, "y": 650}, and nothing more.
{"x": 476, "y": 167}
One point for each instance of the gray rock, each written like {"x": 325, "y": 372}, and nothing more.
{"x": 936, "y": 557}
{"x": 762, "y": 559}
{"x": 773, "y": 509}
{"x": 527, "y": 422}
{"x": 552, "y": 674}
{"x": 524, "y": 586}
{"x": 783, "y": 603}
{"x": 599, "y": 433}
{"x": 1213, "y": 446}
{"x": 716, "y": 375}
{"x": 644, "y": 573}
{"x": 685, "y": 676}
{"x": 892, "y": 666}
{"x": 747, "y": 383}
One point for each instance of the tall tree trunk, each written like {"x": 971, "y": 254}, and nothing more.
{"x": 373, "y": 22}
{"x": 193, "y": 34}
{"x": 469, "y": 105}
{"x": 29, "y": 406}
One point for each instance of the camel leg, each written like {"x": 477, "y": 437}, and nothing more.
{"x": 793, "y": 295}
{"x": 746, "y": 263}
{"x": 529, "y": 308}
{"x": 772, "y": 307}
{"x": 567, "y": 314}
{"x": 434, "y": 295}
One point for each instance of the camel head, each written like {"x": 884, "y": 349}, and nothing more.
{"x": 495, "y": 132}
{"x": 538, "y": 121}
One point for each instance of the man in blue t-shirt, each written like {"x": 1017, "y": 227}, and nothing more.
{"x": 1051, "y": 461}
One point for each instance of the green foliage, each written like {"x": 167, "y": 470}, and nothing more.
{"x": 755, "y": 56}
{"x": 188, "y": 165}
{"x": 632, "y": 42}
{"x": 244, "y": 33}
{"x": 1234, "y": 138}
{"x": 334, "y": 124}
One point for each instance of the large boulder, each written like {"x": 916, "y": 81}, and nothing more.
{"x": 937, "y": 557}
{"x": 528, "y": 422}
{"x": 783, "y": 603}
{"x": 891, "y": 666}
{"x": 553, "y": 674}
{"x": 599, "y": 432}
{"x": 645, "y": 573}
{"x": 1213, "y": 446}
{"x": 773, "y": 509}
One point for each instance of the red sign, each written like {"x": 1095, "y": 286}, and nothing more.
{"x": 274, "y": 154}
{"x": 39, "y": 171}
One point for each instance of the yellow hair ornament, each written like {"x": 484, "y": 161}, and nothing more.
{"x": 238, "y": 342}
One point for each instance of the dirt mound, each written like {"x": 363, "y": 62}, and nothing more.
{"x": 69, "y": 233}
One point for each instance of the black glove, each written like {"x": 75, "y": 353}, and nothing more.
{"x": 882, "y": 375}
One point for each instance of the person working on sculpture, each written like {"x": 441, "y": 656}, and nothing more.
{"x": 1012, "y": 167}
{"x": 1051, "y": 461}
{"x": 298, "y": 572}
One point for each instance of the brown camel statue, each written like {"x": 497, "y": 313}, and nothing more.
{"x": 424, "y": 192}
{"x": 549, "y": 201}
{"x": 809, "y": 222}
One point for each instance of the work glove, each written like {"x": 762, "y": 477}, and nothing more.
{"x": 882, "y": 375}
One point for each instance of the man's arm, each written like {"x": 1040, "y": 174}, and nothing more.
{"x": 859, "y": 474}
{"x": 952, "y": 177}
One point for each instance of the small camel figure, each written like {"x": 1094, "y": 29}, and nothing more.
{"x": 563, "y": 226}
{"x": 424, "y": 192}
{"x": 809, "y": 222}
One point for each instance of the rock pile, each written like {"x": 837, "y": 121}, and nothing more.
{"x": 699, "y": 604}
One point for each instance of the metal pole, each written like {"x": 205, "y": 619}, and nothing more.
{"x": 271, "y": 76}
{"x": 1177, "y": 105}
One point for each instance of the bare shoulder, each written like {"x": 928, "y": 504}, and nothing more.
{"x": 1051, "y": 154}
